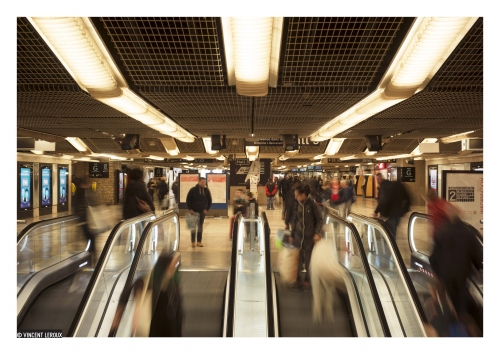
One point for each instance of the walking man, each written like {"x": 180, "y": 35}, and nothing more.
{"x": 199, "y": 200}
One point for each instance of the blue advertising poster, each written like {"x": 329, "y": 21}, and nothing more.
{"x": 63, "y": 197}
{"x": 46, "y": 194}
{"x": 25, "y": 188}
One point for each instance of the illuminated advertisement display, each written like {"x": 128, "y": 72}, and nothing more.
{"x": 63, "y": 185}
{"x": 120, "y": 186}
{"x": 46, "y": 184}
{"x": 25, "y": 197}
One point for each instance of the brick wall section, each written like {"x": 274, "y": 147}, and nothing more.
{"x": 105, "y": 191}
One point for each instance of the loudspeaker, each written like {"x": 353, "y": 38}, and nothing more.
{"x": 130, "y": 142}
{"x": 373, "y": 142}
{"x": 216, "y": 144}
{"x": 223, "y": 143}
{"x": 410, "y": 161}
{"x": 291, "y": 142}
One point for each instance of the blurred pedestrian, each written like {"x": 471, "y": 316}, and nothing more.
{"x": 456, "y": 252}
{"x": 135, "y": 191}
{"x": 163, "y": 189}
{"x": 81, "y": 204}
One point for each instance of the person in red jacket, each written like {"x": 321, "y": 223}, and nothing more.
{"x": 271, "y": 190}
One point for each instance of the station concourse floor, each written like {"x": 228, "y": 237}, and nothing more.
{"x": 216, "y": 251}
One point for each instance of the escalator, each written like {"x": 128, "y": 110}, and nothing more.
{"x": 206, "y": 296}
{"x": 357, "y": 307}
{"x": 56, "y": 297}
{"x": 421, "y": 273}
{"x": 401, "y": 289}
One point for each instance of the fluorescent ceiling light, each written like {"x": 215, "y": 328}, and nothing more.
{"x": 369, "y": 153}
{"x": 347, "y": 158}
{"x": 426, "y": 47}
{"x": 370, "y": 163}
{"x": 333, "y": 146}
{"x": 251, "y": 40}
{"x": 173, "y": 152}
{"x": 78, "y": 144}
{"x": 283, "y": 158}
{"x": 208, "y": 146}
{"x": 251, "y": 149}
{"x": 346, "y": 166}
{"x": 67, "y": 156}
{"x": 461, "y": 136}
{"x": 113, "y": 157}
{"x": 37, "y": 152}
{"x": 318, "y": 157}
{"x": 221, "y": 158}
{"x": 158, "y": 158}
{"x": 252, "y": 158}
{"x": 402, "y": 156}
{"x": 275, "y": 51}
{"x": 80, "y": 49}
{"x": 189, "y": 158}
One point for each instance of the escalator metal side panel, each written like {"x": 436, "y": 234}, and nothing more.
{"x": 46, "y": 278}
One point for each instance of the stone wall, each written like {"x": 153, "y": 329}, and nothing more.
{"x": 105, "y": 191}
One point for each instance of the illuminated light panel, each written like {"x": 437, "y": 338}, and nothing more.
{"x": 78, "y": 144}
{"x": 251, "y": 49}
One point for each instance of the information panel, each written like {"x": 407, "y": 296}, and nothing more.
{"x": 46, "y": 190}
{"x": 464, "y": 189}
{"x": 217, "y": 183}
{"x": 187, "y": 181}
{"x": 25, "y": 197}
{"x": 98, "y": 170}
{"x": 63, "y": 186}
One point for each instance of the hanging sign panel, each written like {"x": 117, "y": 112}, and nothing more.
{"x": 464, "y": 189}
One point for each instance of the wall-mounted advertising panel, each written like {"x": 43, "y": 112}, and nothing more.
{"x": 46, "y": 186}
{"x": 25, "y": 187}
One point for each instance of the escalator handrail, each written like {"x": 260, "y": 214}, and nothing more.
{"x": 269, "y": 294}
{"x": 401, "y": 264}
{"x": 137, "y": 257}
{"x": 369, "y": 276}
{"x": 232, "y": 280}
{"x": 411, "y": 235}
{"x": 38, "y": 224}
{"x": 99, "y": 268}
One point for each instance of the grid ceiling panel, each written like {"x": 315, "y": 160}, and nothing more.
{"x": 65, "y": 147}
{"x": 400, "y": 146}
{"x": 36, "y": 63}
{"x": 314, "y": 149}
{"x": 234, "y": 149}
{"x": 451, "y": 148}
{"x": 103, "y": 145}
{"x": 337, "y": 51}
{"x": 151, "y": 145}
{"x": 463, "y": 70}
{"x": 158, "y": 51}
{"x": 352, "y": 146}
{"x": 293, "y": 110}
{"x": 65, "y": 104}
{"x": 191, "y": 148}
{"x": 445, "y": 112}
{"x": 205, "y": 112}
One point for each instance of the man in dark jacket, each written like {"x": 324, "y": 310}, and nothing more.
{"x": 307, "y": 227}
{"x": 199, "y": 200}
{"x": 271, "y": 190}
{"x": 175, "y": 190}
{"x": 393, "y": 202}
{"x": 81, "y": 203}
{"x": 289, "y": 205}
{"x": 456, "y": 251}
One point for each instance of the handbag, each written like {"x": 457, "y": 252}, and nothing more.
{"x": 98, "y": 219}
{"x": 142, "y": 205}
{"x": 288, "y": 261}
{"x": 192, "y": 220}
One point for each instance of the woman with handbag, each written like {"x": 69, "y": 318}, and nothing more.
{"x": 137, "y": 200}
